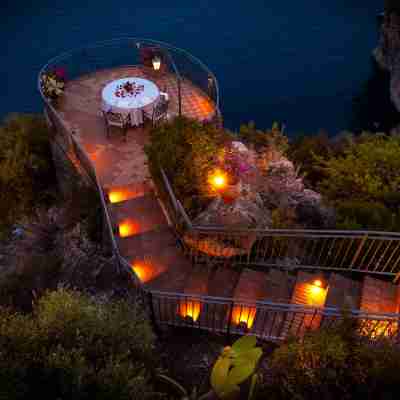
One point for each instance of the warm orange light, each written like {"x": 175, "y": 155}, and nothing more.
{"x": 117, "y": 196}
{"x": 318, "y": 283}
{"x": 190, "y": 308}
{"x": 128, "y": 228}
{"x": 123, "y": 193}
{"x": 316, "y": 294}
{"x": 244, "y": 315}
{"x": 218, "y": 180}
{"x": 144, "y": 271}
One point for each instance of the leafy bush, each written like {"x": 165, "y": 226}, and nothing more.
{"x": 72, "y": 347}
{"x": 353, "y": 215}
{"x": 332, "y": 364}
{"x": 273, "y": 138}
{"x": 367, "y": 173}
{"x": 26, "y": 169}
{"x": 304, "y": 149}
{"x": 186, "y": 150}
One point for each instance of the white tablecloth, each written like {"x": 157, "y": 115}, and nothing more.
{"x": 134, "y": 105}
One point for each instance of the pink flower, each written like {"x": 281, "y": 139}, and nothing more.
{"x": 60, "y": 72}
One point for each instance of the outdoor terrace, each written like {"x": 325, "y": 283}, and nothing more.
{"x": 200, "y": 282}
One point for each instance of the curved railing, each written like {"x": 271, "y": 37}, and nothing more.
{"x": 126, "y": 52}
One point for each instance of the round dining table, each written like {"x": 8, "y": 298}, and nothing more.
{"x": 143, "y": 97}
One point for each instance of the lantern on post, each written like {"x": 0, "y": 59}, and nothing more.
{"x": 156, "y": 63}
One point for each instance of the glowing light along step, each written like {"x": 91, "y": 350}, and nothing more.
{"x": 122, "y": 194}
{"x": 144, "y": 271}
{"x": 128, "y": 227}
{"x": 244, "y": 315}
{"x": 190, "y": 308}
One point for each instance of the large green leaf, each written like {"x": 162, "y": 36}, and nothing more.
{"x": 219, "y": 374}
{"x": 240, "y": 373}
{"x": 252, "y": 356}
{"x": 245, "y": 343}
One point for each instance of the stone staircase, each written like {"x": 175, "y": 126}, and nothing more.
{"x": 147, "y": 241}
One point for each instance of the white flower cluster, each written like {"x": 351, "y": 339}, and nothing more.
{"x": 52, "y": 87}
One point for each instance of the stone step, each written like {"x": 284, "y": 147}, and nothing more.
{"x": 117, "y": 194}
{"x": 279, "y": 286}
{"x": 141, "y": 214}
{"x": 269, "y": 319}
{"x": 343, "y": 292}
{"x": 379, "y": 296}
{"x": 251, "y": 287}
{"x": 306, "y": 292}
{"x": 157, "y": 258}
{"x": 223, "y": 282}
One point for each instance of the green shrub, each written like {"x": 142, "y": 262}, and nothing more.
{"x": 72, "y": 347}
{"x": 304, "y": 149}
{"x": 367, "y": 171}
{"x": 355, "y": 215}
{"x": 186, "y": 150}
{"x": 26, "y": 169}
{"x": 332, "y": 364}
{"x": 272, "y": 138}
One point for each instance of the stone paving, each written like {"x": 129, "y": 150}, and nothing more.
{"x": 117, "y": 162}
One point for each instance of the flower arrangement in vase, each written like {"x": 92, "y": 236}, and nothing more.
{"x": 53, "y": 83}
{"x": 129, "y": 89}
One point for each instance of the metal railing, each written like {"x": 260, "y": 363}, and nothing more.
{"x": 269, "y": 321}
{"x": 364, "y": 251}
{"x": 121, "y": 52}
{"x": 370, "y": 252}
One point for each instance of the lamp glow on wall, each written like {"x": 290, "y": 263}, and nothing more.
{"x": 156, "y": 63}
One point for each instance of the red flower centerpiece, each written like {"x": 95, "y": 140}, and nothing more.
{"x": 129, "y": 89}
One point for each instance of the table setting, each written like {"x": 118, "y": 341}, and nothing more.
{"x": 130, "y": 96}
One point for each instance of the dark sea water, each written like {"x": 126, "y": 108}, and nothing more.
{"x": 298, "y": 62}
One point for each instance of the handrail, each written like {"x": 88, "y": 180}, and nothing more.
{"x": 373, "y": 252}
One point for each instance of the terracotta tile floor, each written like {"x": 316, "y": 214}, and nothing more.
{"x": 120, "y": 163}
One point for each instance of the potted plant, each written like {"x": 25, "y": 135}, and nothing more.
{"x": 53, "y": 84}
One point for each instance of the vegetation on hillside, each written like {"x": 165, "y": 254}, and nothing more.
{"x": 73, "y": 347}
{"x": 26, "y": 168}
{"x": 332, "y": 363}
{"x": 359, "y": 175}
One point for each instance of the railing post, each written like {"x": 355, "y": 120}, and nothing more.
{"x": 228, "y": 331}
{"x": 358, "y": 251}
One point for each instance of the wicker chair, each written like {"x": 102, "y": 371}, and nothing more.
{"x": 118, "y": 120}
{"x": 160, "y": 112}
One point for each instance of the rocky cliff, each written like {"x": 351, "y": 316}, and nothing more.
{"x": 387, "y": 54}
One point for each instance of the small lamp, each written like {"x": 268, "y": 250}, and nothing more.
{"x": 156, "y": 63}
